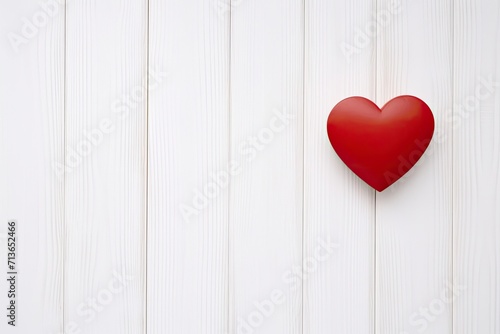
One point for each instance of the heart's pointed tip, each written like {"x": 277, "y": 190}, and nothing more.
{"x": 380, "y": 189}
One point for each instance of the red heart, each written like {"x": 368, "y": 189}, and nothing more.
{"x": 380, "y": 146}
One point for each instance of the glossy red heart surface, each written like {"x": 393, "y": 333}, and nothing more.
{"x": 380, "y": 145}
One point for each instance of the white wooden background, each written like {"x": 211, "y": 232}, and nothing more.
{"x": 168, "y": 165}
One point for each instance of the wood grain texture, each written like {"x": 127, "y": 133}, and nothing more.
{"x": 188, "y": 150}
{"x": 106, "y": 166}
{"x": 339, "y": 295}
{"x": 31, "y": 142}
{"x": 476, "y": 162}
{"x": 414, "y": 216}
{"x": 266, "y": 143}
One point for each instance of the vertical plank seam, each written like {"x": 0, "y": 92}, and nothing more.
{"x": 303, "y": 151}
{"x": 375, "y": 192}
{"x": 375, "y": 289}
{"x": 229, "y": 133}
{"x": 64, "y": 232}
{"x": 146, "y": 213}
{"x": 452, "y": 278}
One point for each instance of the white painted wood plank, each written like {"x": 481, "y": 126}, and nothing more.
{"x": 266, "y": 143}
{"x": 188, "y": 145}
{"x": 339, "y": 294}
{"x": 476, "y": 162}
{"x": 414, "y": 216}
{"x": 106, "y": 166}
{"x": 32, "y": 141}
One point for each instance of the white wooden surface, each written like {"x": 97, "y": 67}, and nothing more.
{"x": 32, "y": 140}
{"x": 211, "y": 189}
{"x": 188, "y": 144}
{"x": 476, "y": 162}
{"x": 339, "y": 294}
{"x": 414, "y": 217}
{"x": 105, "y": 200}
{"x": 266, "y": 197}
